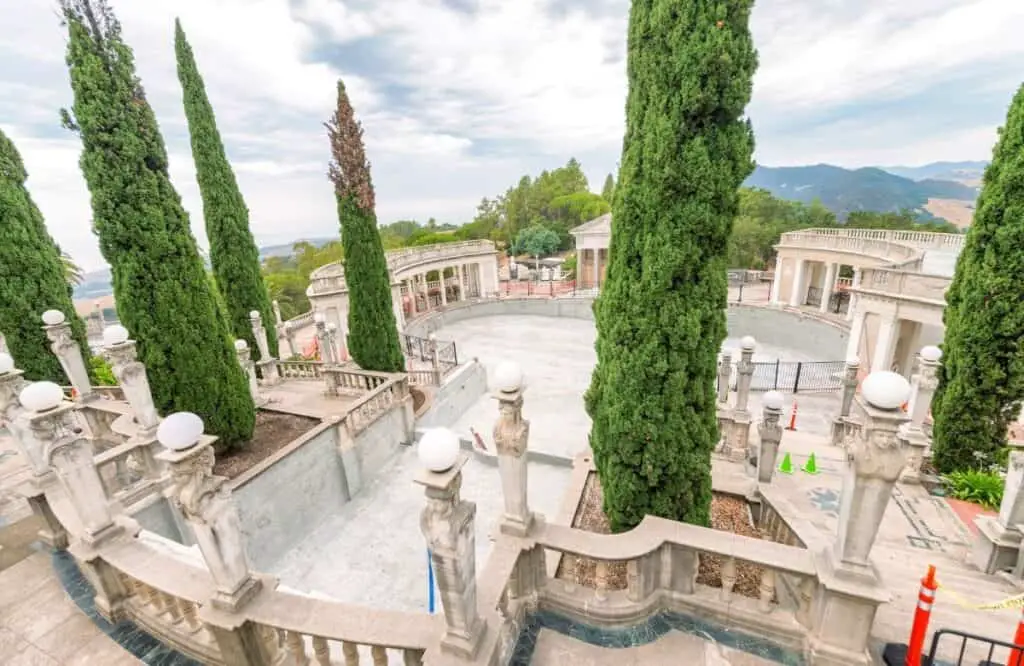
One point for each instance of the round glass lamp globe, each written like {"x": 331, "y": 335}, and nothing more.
{"x": 115, "y": 335}
{"x": 318, "y": 317}
{"x": 53, "y": 317}
{"x": 931, "y": 353}
{"x": 772, "y": 400}
{"x": 332, "y": 327}
{"x": 885, "y": 390}
{"x": 41, "y": 396}
{"x": 180, "y": 431}
{"x": 508, "y": 377}
{"x": 255, "y": 314}
{"x": 241, "y": 345}
{"x": 853, "y": 360}
{"x": 438, "y": 449}
{"x": 6, "y": 363}
{"x": 748, "y": 342}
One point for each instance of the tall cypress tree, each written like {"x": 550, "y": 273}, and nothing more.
{"x": 981, "y": 382}
{"x": 661, "y": 313}
{"x": 233, "y": 251}
{"x": 372, "y": 329}
{"x": 608, "y": 191}
{"x": 163, "y": 296}
{"x": 32, "y": 275}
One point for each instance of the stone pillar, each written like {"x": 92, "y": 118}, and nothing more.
{"x": 597, "y": 267}
{"x": 11, "y": 383}
{"x": 52, "y": 533}
{"x": 495, "y": 278}
{"x": 267, "y": 363}
{"x": 769, "y": 432}
{"x": 798, "y": 292}
{"x": 448, "y": 525}
{"x": 97, "y": 311}
{"x": 131, "y": 375}
{"x": 998, "y": 543}
{"x": 922, "y": 391}
{"x": 333, "y": 335}
{"x": 444, "y": 288}
{"x": 856, "y": 334}
{"x": 323, "y": 341}
{"x": 854, "y": 284}
{"x": 249, "y": 368}
{"x": 277, "y": 312}
{"x": 289, "y": 336}
{"x": 829, "y": 287}
{"x": 849, "y": 391}
{"x": 739, "y": 432}
{"x": 206, "y": 504}
{"x": 511, "y": 436}
{"x": 888, "y": 326}
{"x": 462, "y": 287}
{"x": 777, "y": 281}
{"x": 724, "y": 375}
{"x": 58, "y": 330}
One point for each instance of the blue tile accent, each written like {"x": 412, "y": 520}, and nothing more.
{"x": 654, "y": 628}
{"x": 125, "y": 633}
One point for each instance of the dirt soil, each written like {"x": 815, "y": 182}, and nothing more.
{"x": 273, "y": 431}
{"x": 728, "y": 514}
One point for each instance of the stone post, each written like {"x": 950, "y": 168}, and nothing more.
{"x": 999, "y": 538}
{"x": 435, "y": 361}
{"x": 849, "y": 390}
{"x": 249, "y": 368}
{"x": 206, "y": 504}
{"x": 11, "y": 383}
{"x": 850, "y": 588}
{"x": 332, "y": 337}
{"x": 724, "y": 375}
{"x": 912, "y": 433}
{"x": 736, "y": 441}
{"x": 58, "y": 330}
{"x": 267, "y": 363}
{"x": 323, "y": 340}
{"x": 745, "y": 373}
{"x": 448, "y": 525}
{"x": 131, "y": 375}
{"x": 769, "y": 432}
{"x": 277, "y": 313}
{"x": 289, "y": 335}
{"x": 511, "y": 436}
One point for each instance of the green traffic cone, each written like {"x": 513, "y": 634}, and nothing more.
{"x": 811, "y": 466}
{"x": 787, "y": 465}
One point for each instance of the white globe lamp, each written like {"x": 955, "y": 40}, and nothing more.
{"x": 180, "y": 431}
{"x": 53, "y": 317}
{"x": 115, "y": 335}
{"x": 748, "y": 343}
{"x": 931, "y": 353}
{"x": 255, "y": 314}
{"x": 508, "y": 377}
{"x": 41, "y": 396}
{"x": 6, "y": 363}
{"x": 885, "y": 390}
{"x": 241, "y": 345}
{"x": 438, "y": 449}
{"x": 318, "y": 317}
{"x": 332, "y": 327}
{"x": 853, "y": 360}
{"x": 772, "y": 400}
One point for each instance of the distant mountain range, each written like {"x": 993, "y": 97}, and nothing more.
{"x": 967, "y": 173}
{"x": 844, "y": 191}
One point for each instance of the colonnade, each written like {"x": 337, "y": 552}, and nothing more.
{"x": 456, "y": 283}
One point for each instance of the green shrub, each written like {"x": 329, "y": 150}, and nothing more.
{"x": 101, "y": 372}
{"x": 984, "y": 488}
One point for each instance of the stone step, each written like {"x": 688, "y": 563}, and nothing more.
{"x": 673, "y": 648}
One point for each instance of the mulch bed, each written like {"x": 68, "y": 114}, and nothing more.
{"x": 273, "y": 431}
{"x": 728, "y": 514}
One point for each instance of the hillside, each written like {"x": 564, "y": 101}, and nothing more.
{"x": 967, "y": 173}
{"x": 844, "y": 191}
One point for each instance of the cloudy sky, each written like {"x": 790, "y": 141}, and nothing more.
{"x": 461, "y": 97}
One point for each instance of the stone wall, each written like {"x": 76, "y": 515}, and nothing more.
{"x": 363, "y": 456}
{"x": 461, "y": 390}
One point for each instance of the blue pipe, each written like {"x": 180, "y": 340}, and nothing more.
{"x": 430, "y": 584}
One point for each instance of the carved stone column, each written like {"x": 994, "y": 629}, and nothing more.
{"x": 849, "y": 390}
{"x": 11, "y": 383}
{"x": 323, "y": 341}
{"x": 58, "y": 330}
{"x": 739, "y": 430}
{"x": 267, "y": 363}
{"x": 289, "y": 335}
{"x": 769, "y": 432}
{"x": 249, "y": 368}
{"x": 131, "y": 375}
{"x": 206, "y": 504}
{"x": 912, "y": 433}
{"x": 511, "y": 436}
{"x": 447, "y": 523}
{"x": 999, "y": 539}
{"x": 724, "y": 375}
{"x": 277, "y": 312}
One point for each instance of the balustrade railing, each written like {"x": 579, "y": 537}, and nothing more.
{"x": 906, "y": 284}
{"x": 128, "y": 471}
{"x": 422, "y": 378}
{"x": 391, "y": 390}
{"x": 300, "y": 369}
{"x": 302, "y": 320}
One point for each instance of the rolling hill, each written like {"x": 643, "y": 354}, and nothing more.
{"x": 967, "y": 173}
{"x": 844, "y": 190}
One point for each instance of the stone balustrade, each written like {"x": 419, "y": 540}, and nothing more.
{"x": 301, "y": 369}
{"x": 923, "y": 240}
{"x": 423, "y": 378}
{"x": 877, "y": 247}
{"x": 905, "y": 284}
{"x": 390, "y": 390}
{"x": 128, "y": 471}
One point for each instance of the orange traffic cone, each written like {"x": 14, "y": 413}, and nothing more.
{"x": 792, "y": 418}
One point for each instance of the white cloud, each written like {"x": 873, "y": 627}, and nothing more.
{"x": 492, "y": 93}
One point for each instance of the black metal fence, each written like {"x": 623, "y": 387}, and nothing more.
{"x": 968, "y": 648}
{"x": 422, "y": 349}
{"x": 795, "y": 376}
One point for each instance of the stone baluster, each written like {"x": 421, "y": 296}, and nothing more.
{"x": 277, "y": 312}
{"x": 207, "y": 506}
{"x": 12, "y": 381}
{"x": 999, "y": 542}
{"x": 849, "y": 390}
{"x": 332, "y": 340}
{"x": 769, "y": 432}
{"x": 724, "y": 375}
{"x": 923, "y": 386}
{"x": 850, "y": 587}
{"x": 288, "y": 331}
{"x": 58, "y": 330}
{"x": 249, "y": 368}
{"x": 511, "y": 436}
{"x": 739, "y": 430}
{"x": 267, "y": 363}
{"x": 121, "y": 353}
{"x": 447, "y": 522}
{"x": 323, "y": 339}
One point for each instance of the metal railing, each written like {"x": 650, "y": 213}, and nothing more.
{"x": 425, "y": 350}
{"x": 969, "y": 649}
{"x": 795, "y": 376}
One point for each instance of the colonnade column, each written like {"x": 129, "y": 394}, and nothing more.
{"x": 856, "y": 334}
{"x": 829, "y": 287}
{"x": 462, "y": 286}
{"x": 888, "y": 326}
{"x": 798, "y": 293}
{"x": 444, "y": 287}
{"x": 855, "y": 283}
{"x": 597, "y": 268}
{"x": 777, "y": 280}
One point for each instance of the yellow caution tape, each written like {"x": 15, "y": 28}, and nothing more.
{"x": 1009, "y": 602}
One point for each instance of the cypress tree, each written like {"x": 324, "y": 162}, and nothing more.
{"x": 608, "y": 191}
{"x": 372, "y": 329}
{"x": 163, "y": 296}
{"x": 233, "y": 252}
{"x": 32, "y": 275}
{"x": 661, "y": 313}
{"x": 981, "y": 381}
